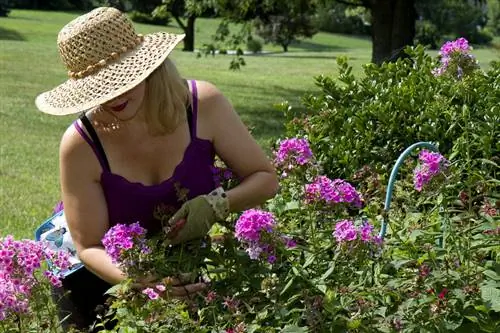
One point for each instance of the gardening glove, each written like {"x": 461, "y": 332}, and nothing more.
{"x": 199, "y": 214}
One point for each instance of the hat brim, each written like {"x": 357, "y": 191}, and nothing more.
{"x": 118, "y": 77}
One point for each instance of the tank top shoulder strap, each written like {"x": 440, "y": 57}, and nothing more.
{"x": 193, "y": 108}
{"x": 93, "y": 140}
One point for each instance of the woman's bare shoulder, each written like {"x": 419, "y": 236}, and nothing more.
{"x": 76, "y": 153}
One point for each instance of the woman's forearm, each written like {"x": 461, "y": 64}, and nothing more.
{"x": 98, "y": 261}
{"x": 253, "y": 191}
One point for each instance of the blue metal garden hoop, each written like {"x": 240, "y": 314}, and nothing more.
{"x": 392, "y": 181}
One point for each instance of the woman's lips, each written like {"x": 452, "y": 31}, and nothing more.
{"x": 119, "y": 107}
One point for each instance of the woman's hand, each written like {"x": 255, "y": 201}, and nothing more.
{"x": 199, "y": 215}
{"x": 178, "y": 287}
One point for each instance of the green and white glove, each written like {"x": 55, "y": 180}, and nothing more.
{"x": 200, "y": 214}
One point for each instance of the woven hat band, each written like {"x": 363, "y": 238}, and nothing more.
{"x": 90, "y": 41}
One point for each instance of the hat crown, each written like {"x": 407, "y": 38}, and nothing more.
{"x": 93, "y": 37}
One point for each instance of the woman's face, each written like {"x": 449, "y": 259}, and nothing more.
{"x": 126, "y": 106}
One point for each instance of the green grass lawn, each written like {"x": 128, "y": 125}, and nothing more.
{"x": 29, "y": 64}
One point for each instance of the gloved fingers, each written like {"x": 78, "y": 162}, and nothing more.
{"x": 174, "y": 231}
{"x": 180, "y": 214}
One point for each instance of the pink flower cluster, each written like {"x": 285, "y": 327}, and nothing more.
{"x": 121, "y": 240}
{"x": 459, "y": 45}
{"x": 430, "y": 165}
{"x": 154, "y": 293}
{"x": 250, "y": 228}
{"x": 457, "y": 52}
{"x": 19, "y": 263}
{"x": 346, "y": 231}
{"x": 328, "y": 191}
{"x": 292, "y": 152}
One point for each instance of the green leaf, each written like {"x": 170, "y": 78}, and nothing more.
{"x": 322, "y": 288}
{"x": 287, "y": 285}
{"x": 294, "y": 329}
{"x": 415, "y": 234}
{"x": 491, "y": 296}
{"x": 492, "y": 275}
{"x": 381, "y": 311}
{"x": 473, "y": 319}
{"x": 309, "y": 260}
{"x": 328, "y": 272}
{"x": 292, "y": 205}
{"x": 354, "y": 324}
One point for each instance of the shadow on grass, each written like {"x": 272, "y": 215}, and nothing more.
{"x": 7, "y": 34}
{"x": 266, "y": 122}
{"x": 303, "y": 56}
{"x": 308, "y": 45}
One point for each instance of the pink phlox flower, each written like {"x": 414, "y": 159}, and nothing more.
{"x": 151, "y": 293}
{"x": 328, "y": 191}
{"x": 460, "y": 45}
{"x": 211, "y": 296}
{"x": 160, "y": 287}
{"x": 345, "y": 231}
{"x": 295, "y": 151}
{"x": 251, "y": 223}
{"x": 289, "y": 242}
{"x": 431, "y": 164}
{"x": 121, "y": 238}
{"x": 365, "y": 232}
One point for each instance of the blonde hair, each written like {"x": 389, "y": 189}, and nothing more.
{"x": 167, "y": 97}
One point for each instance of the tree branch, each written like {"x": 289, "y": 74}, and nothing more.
{"x": 179, "y": 22}
{"x": 363, "y": 3}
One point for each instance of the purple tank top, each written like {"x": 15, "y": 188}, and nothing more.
{"x": 130, "y": 202}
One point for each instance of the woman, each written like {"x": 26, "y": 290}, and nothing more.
{"x": 145, "y": 136}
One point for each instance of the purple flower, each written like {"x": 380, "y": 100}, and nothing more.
{"x": 249, "y": 230}
{"x": 455, "y": 59}
{"x": 293, "y": 151}
{"x": 151, "y": 293}
{"x": 121, "y": 239}
{"x": 330, "y": 191}
{"x": 365, "y": 232}
{"x": 345, "y": 231}
{"x": 254, "y": 251}
{"x": 431, "y": 164}
{"x": 459, "y": 45}
{"x": 251, "y": 223}
{"x": 290, "y": 243}
{"x": 221, "y": 174}
{"x": 20, "y": 263}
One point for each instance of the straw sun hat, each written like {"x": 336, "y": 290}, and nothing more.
{"x": 105, "y": 57}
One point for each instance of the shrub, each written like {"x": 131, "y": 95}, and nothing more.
{"x": 369, "y": 120}
{"x": 427, "y": 34}
{"x": 332, "y": 17}
{"x": 494, "y": 16}
{"x": 254, "y": 45}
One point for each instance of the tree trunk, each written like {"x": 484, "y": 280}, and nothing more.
{"x": 188, "y": 29}
{"x": 285, "y": 47}
{"x": 189, "y": 39}
{"x": 393, "y": 28}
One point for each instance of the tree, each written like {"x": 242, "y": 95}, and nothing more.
{"x": 393, "y": 26}
{"x": 4, "y": 8}
{"x": 185, "y": 13}
{"x": 286, "y": 21}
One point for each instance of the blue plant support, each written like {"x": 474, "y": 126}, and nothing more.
{"x": 392, "y": 181}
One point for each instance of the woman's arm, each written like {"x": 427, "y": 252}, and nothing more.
{"x": 238, "y": 149}
{"x": 85, "y": 206}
